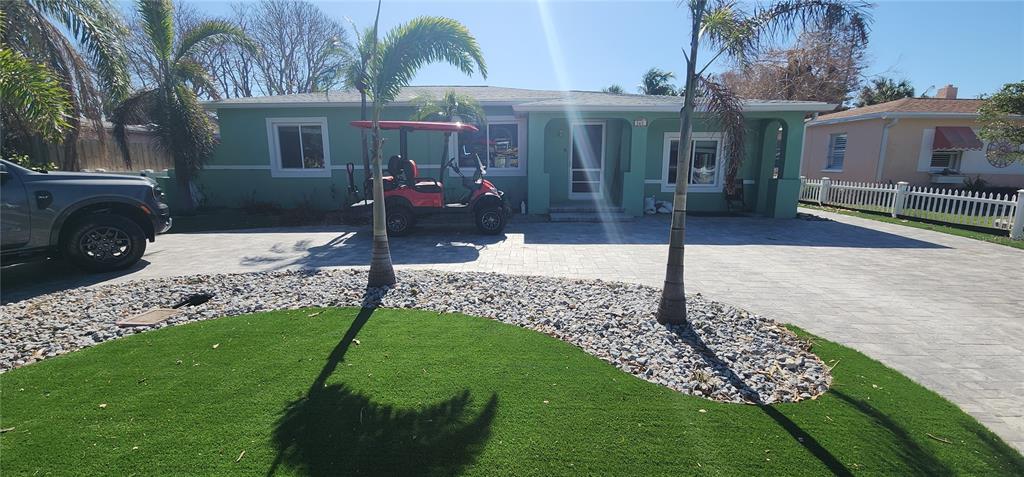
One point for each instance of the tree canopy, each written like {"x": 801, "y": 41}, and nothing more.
{"x": 1002, "y": 123}
{"x": 883, "y": 90}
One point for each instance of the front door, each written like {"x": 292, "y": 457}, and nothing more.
{"x": 586, "y": 160}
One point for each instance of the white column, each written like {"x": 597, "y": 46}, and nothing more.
{"x": 823, "y": 191}
{"x": 899, "y": 199}
{"x": 1017, "y": 230}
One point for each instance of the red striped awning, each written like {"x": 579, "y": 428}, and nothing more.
{"x": 955, "y": 138}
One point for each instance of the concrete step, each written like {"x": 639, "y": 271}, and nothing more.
{"x": 585, "y": 209}
{"x": 589, "y": 217}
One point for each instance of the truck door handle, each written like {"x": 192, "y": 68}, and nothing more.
{"x": 43, "y": 199}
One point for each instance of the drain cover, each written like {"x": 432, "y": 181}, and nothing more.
{"x": 148, "y": 318}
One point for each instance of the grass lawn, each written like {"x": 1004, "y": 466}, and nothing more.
{"x": 994, "y": 237}
{"x": 396, "y": 392}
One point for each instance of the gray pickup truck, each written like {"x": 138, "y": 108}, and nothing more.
{"x": 99, "y": 222}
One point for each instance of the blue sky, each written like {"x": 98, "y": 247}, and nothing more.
{"x": 975, "y": 45}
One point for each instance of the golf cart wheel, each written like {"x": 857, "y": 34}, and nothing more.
{"x": 490, "y": 220}
{"x": 400, "y": 221}
{"x": 104, "y": 242}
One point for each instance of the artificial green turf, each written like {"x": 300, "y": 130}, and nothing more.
{"x": 428, "y": 394}
{"x": 999, "y": 237}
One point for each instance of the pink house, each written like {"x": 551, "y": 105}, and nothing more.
{"x": 923, "y": 141}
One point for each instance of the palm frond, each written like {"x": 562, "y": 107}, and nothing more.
{"x": 212, "y": 31}
{"x": 725, "y": 108}
{"x": 40, "y": 39}
{"x": 655, "y": 81}
{"x": 783, "y": 17}
{"x": 99, "y": 30}
{"x": 356, "y": 70}
{"x": 158, "y": 22}
{"x": 422, "y": 40}
{"x": 450, "y": 106}
{"x": 726, "y": 27}
{"x": 135, "y": 109}
{"x": 34, "y": 94}
{"x": 194, "y": 73}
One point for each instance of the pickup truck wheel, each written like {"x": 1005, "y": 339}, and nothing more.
{"x": 400, "y": 221}
{"x": 104, "y": 242}
{"x": 490, "y": 220}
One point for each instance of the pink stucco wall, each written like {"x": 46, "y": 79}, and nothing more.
{"x": 862, "y": 141}
{"x": 904, "y": 160}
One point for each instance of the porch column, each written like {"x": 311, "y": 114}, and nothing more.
{"x": 787, "y": 190}
{"x": 538, "y": 182}
{"x": 633, "y": 179}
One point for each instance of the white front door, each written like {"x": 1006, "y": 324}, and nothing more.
{"x": 586, "y": 160}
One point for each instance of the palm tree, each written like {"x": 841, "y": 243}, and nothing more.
{"x": 171, "y": 105}
{"x": 355, "y": 77}
{"x": 882, "y": 90}
{"x": 35, "y": 30}
{"x": 451, "y": 107}
{"x": 656, "y": 82}
{"x": 613, "y": 89}
{"x": 729, "y": 31}
{"x": 30, "y": 94}
{"x": 393, "y": 62}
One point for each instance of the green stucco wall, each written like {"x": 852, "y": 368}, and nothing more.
{"x": 244, "y": 148}
{"x": 240, "y": 168}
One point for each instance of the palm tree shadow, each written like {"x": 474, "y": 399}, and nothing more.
{"x": 335, "y": 430}
{"x": 913, "y": 455}
{"x": 688, "y": 334}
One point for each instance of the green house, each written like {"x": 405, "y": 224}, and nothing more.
{"x": 545, "y": 149}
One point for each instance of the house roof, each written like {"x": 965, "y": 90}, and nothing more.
{"x": 519, "y": 99}
{"x": 906, "y": 107}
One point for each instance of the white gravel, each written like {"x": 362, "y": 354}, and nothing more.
{"x": 728, "y": 355}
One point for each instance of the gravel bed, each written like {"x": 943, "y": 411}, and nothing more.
{"x": 727, "y": 354}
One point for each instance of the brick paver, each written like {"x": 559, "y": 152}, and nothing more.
{"x": 945, "y": 310}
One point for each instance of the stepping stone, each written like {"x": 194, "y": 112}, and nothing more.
{"x": 148, "y": 318}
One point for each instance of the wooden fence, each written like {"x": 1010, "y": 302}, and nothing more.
{"x": 961, "y": 207}
{"x": 93, "y": 155}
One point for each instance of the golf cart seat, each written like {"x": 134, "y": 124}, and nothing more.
{"x": 407, "y": 173}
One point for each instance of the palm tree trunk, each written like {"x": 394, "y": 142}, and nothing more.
{"x": 672, "y": 308}
{"x": 182, "y": 179}
{"x": 362, "y": 136}
{"x": 382, "y": 273}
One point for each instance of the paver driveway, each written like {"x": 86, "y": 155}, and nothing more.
{"x": 945, "y": 310}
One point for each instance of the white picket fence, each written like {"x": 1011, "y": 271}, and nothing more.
{"x": 997, "y": 211}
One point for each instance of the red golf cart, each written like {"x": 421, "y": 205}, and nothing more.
{"x": 409, "y": 196}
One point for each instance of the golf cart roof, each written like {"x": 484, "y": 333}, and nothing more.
{"x": 418, "y": 126}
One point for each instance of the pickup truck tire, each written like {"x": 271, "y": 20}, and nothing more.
{"x": 104, "y": 242}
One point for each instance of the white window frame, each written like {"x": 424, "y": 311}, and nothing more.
{"x": 667, "y": 186}
{"x": 455, "y": 148}
{"x": 276, "y": 169}
{"x": 604, "y": 152}
{"x": 955, "y": 161}
{"x": 829, "y": 167}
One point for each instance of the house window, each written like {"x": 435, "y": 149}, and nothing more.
{"x": 836, "y": 152}
{"x": 299, "y": 147}
{"x": 497, "y": 144}
{"x": 705, "y": 161}
{"x": 946, "y": 160}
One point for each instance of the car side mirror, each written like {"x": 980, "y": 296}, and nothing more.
{"x": 4, "y": 176}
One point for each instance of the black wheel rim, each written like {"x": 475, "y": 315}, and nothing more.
{"x": 397, "y": 223}
{"x": 490, "y": 220}
{"x": 105, "y": 244}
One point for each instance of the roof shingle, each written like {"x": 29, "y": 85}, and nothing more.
{"x": 909, "y": 105}
{"x": 492, "y": 95}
